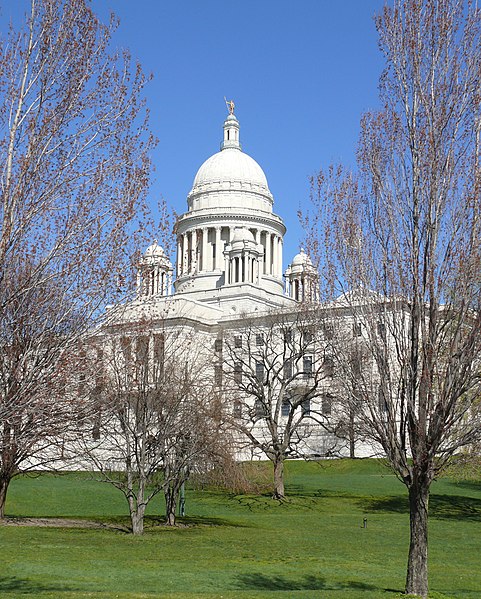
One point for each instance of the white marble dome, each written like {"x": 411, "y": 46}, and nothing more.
{"x": 230, "y": 179}
{"x": 230, "y": 165}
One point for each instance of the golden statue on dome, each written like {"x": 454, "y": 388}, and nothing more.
{"x": 230, "y": 105}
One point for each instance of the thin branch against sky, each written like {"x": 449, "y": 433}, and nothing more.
{"x": 301, "y": 74}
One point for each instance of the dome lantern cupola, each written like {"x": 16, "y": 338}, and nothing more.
{"x": 231, "y": 133}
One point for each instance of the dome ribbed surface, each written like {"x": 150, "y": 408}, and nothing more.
{"x": 230, "y": 165}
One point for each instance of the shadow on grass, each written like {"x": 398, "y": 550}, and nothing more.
{"x": 260, "y": 581}
{"x": 470, "y": 485}
{"x": 265, "y": 502}
{"x": 301, "y": 491}
{"x": 188, "y": 521}
{"x": 10, "y": 584}
{"x": 442, "y": 507}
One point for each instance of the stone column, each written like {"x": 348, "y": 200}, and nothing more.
{"x": 279, "y": 256}
{"x": 179, "y": 256}
{"x": 268, "y": 253}
{"x": 193, "y": 263}
{"x": 281, "y": 247}
{"x": 218, "y": 257}
{"x": 227, "y": 274}
{"x": 139, "y": 282}
{"x": 205, "y": 234}
{"x": 185, "y": 253}
{"x": 274, "y": 255}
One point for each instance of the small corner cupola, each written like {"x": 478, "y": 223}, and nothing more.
{"x": 302, "y": 279}
{"x": 231, "y": 129}
{"x": 154, "y": 274}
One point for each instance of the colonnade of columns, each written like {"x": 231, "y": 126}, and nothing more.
{"x": 201, "y": 250}
{"x": 242, "y": 269}
{"x": 154, "y": 281}
{"x": 302, "y": 288}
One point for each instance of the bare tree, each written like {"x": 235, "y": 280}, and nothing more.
{"x": 74, "y": 149}
{"x": 347, "y": 423}
{"x": 153, "y": 417}
{"x": 401, "y": 240}
{"x": 277, "y": 371}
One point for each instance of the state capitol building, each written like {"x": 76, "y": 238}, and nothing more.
{"x": 229, "y": 243}
{"x": 231, "y": 295}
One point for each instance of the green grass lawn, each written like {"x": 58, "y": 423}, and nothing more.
{"x": 243, "y": 546}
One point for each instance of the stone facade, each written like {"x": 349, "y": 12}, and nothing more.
{"x": 228, "y": 272}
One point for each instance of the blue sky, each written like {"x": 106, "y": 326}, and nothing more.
{"x": 300, "y": 72}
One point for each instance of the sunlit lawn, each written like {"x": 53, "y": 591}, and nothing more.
{"x": 312, "y": 545}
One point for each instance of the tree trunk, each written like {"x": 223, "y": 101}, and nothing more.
{"x": 278, "y": 478}
{"x": 137, "y": 512}
{"x": 352, "y": 436}
{"x": 4, "y": 482}
{"x": 171, "y": 495}
{"x": 417, "y": 571}
{"x": 137, "y": 519}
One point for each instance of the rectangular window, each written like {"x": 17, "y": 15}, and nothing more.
{"x": 306, "y": 407}
{"x": 260, "y": 339}
{"x": 381, "y": 330}
{"x": 238, "y": 372}
{"x": 96, "y": 428}
{"x": 288, "y": 368}
{"x": 218, "y": 374}
{"x": 99, "y": 385}
{"x": 286, "y": 407}
{"x": 238, "y": 341}
{"x": 326, "y": 406}
{"x": 328, "y": 366}
{"x": 328, "y": 331}
{"x": 81, "y": 384}
{"x": 142, "y": 351}
{"x": 159, "y": 354}
{"x": 307, "y": 366}
{"x": 126, "y": 348}
{"x": 218, "y": 345}
{"x": 260, "y": 372}
{"x": 237, "y": 410}
{"x": 357, "y": 329}
{"x": 383, "y": 405}
{"x": 260, "y": 409}
{"x": 288, "y": 336}
{"x": 307, "y": 337}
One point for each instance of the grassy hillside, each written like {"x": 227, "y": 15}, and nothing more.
{"x": 243, "y": 546}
